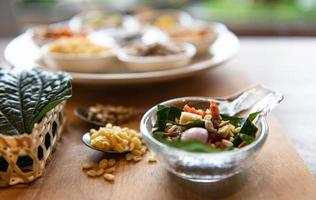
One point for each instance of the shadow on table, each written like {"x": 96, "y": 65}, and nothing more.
{"x": 215, "y": 190}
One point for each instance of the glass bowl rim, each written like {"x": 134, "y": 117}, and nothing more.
{"x": 148, "y": 134}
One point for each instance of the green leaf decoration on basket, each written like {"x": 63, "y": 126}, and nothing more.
{"x": 26, "y": 96}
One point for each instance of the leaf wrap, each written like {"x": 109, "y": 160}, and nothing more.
{"x": 26, "y": 96}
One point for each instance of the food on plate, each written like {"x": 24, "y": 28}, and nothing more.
{"x": 96, "y": 20}
{"x": 156, "y": 49}
{"x": 156, "y": 56}
{"x": 110, "y": 114}
{"x": 45, "y": 34}
{"x": 76, "y": 46}
{"x": 31, "y": 118}
{"x": 192, "y": 32}
{"x": 164, "y": 19}
{"x": 166, "y": 22}
{"x": 201, "y": 35}
{"x": 198, "y": 130}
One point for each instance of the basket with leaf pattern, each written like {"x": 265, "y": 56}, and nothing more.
{"x": 31, "y": 121}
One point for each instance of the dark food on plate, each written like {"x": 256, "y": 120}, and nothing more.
{"x": 110, "y": 114}
{"x": 200, "y": 130}
{"x": 156, "y": 49}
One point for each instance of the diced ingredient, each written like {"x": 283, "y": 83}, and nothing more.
{"x": 187, "y": 117}
{"x": 152, "y": 159}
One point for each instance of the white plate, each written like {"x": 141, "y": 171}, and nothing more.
{"x": 21, "y": 52}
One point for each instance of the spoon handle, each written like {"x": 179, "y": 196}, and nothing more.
{"x": 256, "y": 98}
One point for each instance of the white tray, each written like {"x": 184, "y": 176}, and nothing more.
{"x": 22, "y": 52}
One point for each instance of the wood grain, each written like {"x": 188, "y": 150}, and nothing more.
{"x": 278, "y": 173}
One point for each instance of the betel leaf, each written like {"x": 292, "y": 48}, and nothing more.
{"x": 165, "y": 114}
{"x": 248, "y": 128}
{"x": 26, "y": 96}
{"x": 246, "y": 138}
{"x": 192, "y": 146}
{"x": 236, "y": 121}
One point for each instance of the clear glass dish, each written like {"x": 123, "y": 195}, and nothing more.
{"x": 211, "y": 167}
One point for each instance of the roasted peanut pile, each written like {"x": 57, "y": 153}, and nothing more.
{"x": 115, "y": 138}
{"x": 110, "y": 114}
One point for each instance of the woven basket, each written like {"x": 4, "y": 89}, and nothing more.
{"x": 23, "y": 158}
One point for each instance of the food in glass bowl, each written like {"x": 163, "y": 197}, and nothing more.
{"x": 200, "y": 34}
{"x": 156, "y": 56}
{"x": 201, "y": 154}
{"x": 78, "y": 54}
{"x": 44, "y": 34}
{"x": 203, "y": 130}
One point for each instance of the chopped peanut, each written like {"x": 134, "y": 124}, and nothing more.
{"x": 109, "y": 177}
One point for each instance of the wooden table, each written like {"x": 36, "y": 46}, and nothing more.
{"x": 283, "y": 64}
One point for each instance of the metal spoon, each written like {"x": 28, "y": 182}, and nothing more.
{"x": 82, "y": 113}
{"x": 86, "y": 140}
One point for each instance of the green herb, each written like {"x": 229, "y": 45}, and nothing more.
{"x": 192, "y": 146}
{"x": 165, "y": 114}
{"x": 246, "y": 138}
{"x": 26, "y": 96}
{"x": 236, "y": 121}
{"x": 229, "y": 148}
{"x": 248, "y": 129}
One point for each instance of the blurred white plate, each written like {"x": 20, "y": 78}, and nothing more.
{"x": 22, "y": 52}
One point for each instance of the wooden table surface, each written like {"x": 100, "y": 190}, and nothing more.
{"x": 283, "y": 64}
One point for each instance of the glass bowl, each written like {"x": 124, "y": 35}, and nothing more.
{"x": 212, "y": 167}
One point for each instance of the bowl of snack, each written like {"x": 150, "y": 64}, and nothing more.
{"x": 201, "y": 34}
{"x": 200, "y": 139}
{"x": 95, "y": 20}
{"x": 156, "y": 56}
{"x": 44, "y": 34}
{"x": 78, "y": 54}
{"x": 164, "y": 19}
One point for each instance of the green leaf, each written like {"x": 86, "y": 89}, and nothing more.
{"x": 253, "y": 116}
{"x": 192, "y": 146}
{"x": 248, "y": 128}
{"x": 236, "y": 121}
{"x": 246, "y": 138}
{"x": 165, "y": 114}
{"x": 26, "y": 96}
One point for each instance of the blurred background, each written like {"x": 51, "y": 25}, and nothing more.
{"x": 244, "y": 17}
